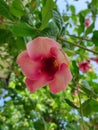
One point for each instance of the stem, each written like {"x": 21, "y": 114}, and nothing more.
{"x": 81, "y": 112}
{"x": 74, "y": 44}
{"x": 81, "y": 38}
{"x": 11, "y": 69}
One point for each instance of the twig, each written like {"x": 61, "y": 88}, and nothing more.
{"x": 74, "y": 44}
{"x": 81, "y": 38}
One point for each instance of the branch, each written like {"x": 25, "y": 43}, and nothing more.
{"x": 11, "y": 68}
{"x": 81, "y": 38}
{"x": 74, "y": 44}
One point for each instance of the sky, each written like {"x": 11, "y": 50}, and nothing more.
{"x": 80, "y": 4}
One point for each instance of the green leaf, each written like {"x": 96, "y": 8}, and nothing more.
{"x": 58, "y": 19}
{"x": 72, "y": 8}
{"x": 80, "y": 29}
{"x": 4, "y": 10}
{"x": 17, "y": 8}
{"x": 34, "y": 5}
{"x": 47, "y": 13}
{"x": 81, "y": 19}
{"x": 94, "y": 3}
{"x": 50, "y": 31}
{"x": 5, "y": 35}
{"x": 75, "y": 69}
{"x": 22, "y": 29}
{"x": 72, "y": 126}
{"x": 89, "y": 107}
{"x": 69, "y": 52}
{"x": 20, "y": 44}
{"x": 95, "y": 37}
{"x": 89, "y": 29}
{"x": 70, "y": 103}
{"x": 87, "y": 89}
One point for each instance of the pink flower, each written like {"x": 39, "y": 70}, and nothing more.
{"x": 44, "y": 63}
{"x": 94, "y": 59}
{"x": 87, "y": 22}
{"x": 84, "y": 66}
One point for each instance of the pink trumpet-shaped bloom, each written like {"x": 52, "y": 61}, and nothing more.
{"x": 84, "y": 66}
{"x": 87, "y": 22}
{"x": 44, "y": 63}
{"x": 94, "y": 59}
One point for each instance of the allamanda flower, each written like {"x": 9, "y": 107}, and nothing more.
{"x": 85, "y": 66}
{"x": 44, "y": 63}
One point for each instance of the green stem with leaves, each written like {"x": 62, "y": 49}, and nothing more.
{"x": 81, "y": 38}
{"x": 77, "y": 45}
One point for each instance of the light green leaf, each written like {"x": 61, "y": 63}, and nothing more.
{"x": 69, "y": 52}
{"x": 72, "y": 8}
{"x": 17, "y": 8}
{"x": 58, "y": 19}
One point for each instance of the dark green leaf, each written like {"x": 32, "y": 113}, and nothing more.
{"x": 47, "y": 13}
{"x": 95, "y": 37}
{"x": 81, "y": 27}
{"x": 22, "y": 29}
{"x": 70, "y": 103}
{"x": 4, "y": 10}
{"x": 5, "y": 35}
{"x": 75, "y": 69}
{"x": 81, "y": 18}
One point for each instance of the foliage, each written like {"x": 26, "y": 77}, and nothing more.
{"x": 76, "y": 108}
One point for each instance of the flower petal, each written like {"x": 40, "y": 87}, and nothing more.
{"x": 30, "y": 68}
{"x": 33, "y": 85}
{"x": 62, "y": 78}
{"x": 59, "y": 55}
{"x": 40, "y": 47}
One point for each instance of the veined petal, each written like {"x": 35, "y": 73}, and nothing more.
{"x": 59, "y": 55}
{"x": 62, "y": 78}
{"x": 29, "y": 68}
{"x": 33, "y": 85}
{"x": 40, "y": 47}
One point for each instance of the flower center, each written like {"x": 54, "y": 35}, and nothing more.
{"x": 49, "y": 66}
